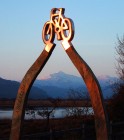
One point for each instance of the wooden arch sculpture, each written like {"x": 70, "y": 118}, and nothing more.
{"x": 64, "y": 29}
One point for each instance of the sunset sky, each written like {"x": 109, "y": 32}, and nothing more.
{"x": 97, "y": 25}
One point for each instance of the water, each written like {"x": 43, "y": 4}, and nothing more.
{"x": 57, "y": 113}
{"x": 6, "y": 114}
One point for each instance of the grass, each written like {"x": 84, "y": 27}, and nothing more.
{"x": 39, "y": 126}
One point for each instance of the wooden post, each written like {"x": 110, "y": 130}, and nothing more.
{"x": 51, "y": 134}
{"x": 111, "y": 130}
{"x": 83, "y": 131}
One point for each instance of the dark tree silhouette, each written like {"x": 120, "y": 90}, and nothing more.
{"x": 75, "y": 110}
{"x": 120, "y": 59}
{"x": 30, "y": 111}
{"x": 116, "y": 108}
{"x": 47, "y": 112}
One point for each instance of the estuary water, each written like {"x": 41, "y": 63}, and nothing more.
{"x": 57, "y": 113}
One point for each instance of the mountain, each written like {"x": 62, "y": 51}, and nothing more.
{"x": 59, "y": 84}
{"x": 61, "y": 80}
{"x": 56, "y": 92}
{"x": 8, "y": 89}
{"x": 107, "y": 84}
{"x": 106, "y": 80}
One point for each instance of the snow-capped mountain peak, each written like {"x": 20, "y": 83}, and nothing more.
{"x": 66, "y": 81}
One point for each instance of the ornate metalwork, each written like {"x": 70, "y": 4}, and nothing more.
{"x": 64, "y": 29}
{"x": 59, "y": 24}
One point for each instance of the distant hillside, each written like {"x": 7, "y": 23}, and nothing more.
{"x": 56, "y": 92}
{"x": 61, "y": 80}
{"x": 8, "y": 89}
{"x": 59, "y": 84}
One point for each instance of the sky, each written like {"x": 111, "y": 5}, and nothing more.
{"x": 97, "y": 24}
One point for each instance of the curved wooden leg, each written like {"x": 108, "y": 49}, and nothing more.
{"x": 101, "y": 120}
{"x": 23, "y": 92}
